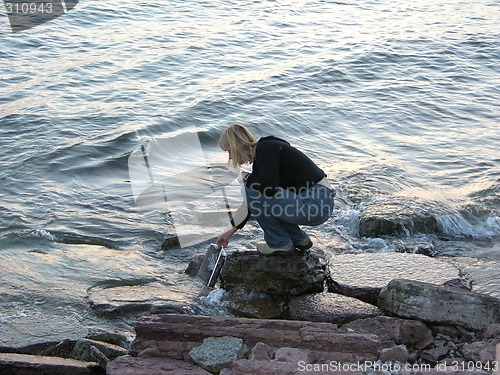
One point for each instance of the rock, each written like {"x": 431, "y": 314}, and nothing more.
{"x": 396, "y": 353}
{"x": 425, "y": 343}
{"x": 217, "y": 353}
{"x": 253, "y": 305}
{"x": 383, "y": 218}
{"x": 63, "y": 350}
{"x": 249, "y": 367}
{"x": 123, "y": 300}
{"x": 152, "y": 366}
{"x": 82, "y": 350}
{"x": 492, "y": 331}
{"x": 331, "y": 308}
{"x": 195, "y": 264}
{"x": 434, "y": 355}
{"x": 38, "y": 332}
{"x": 99, "y": 334}
{"x": 14, "y": 364}
{"x": 393, "y": 330}
{"x": 290, "y": 275}
{"x": 449, "y": 331}
{"x": 371, "y": 326}
{"x": 404, "y": 331}
{"x": 363, "y": 276}
{"x": 293, "y": 355}
{"x": 260, "y": 352}
{"x": 173, "y": 335}
{"x": 97, "y": 356}
{"x": 439, "y": 304}
{"x": 479, "y": 351}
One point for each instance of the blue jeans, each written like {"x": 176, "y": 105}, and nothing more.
{"x": 280, "y": 216}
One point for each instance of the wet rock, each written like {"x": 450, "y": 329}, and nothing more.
{"x": 253, "y": 305}
{"x": 289, "y": 275}
{"x": 124, "y": 300}
{"x": 439, "y": 304}
{"x": 384, "y": 218}
{"x": 217, "y": 353}
{"x": 363, "y": 276}
{"x": 195, "y": 264}
{"x": 83, "y": 352}
{"x": 174, "y": 335}
{"x": 149, "y": 366}
{"x": 396, "y": 353}
{"x": 11, "y": 364}
{"x": 38, "y": 332}
{"x": 331, "y": 308}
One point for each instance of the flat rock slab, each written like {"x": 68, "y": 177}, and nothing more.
{"x": 364, "y": 275}
{"x": 173, "y": 335}
{"x": 15, "y": 364}
{"x": 154, "y": 298}
{"x": 152, "y": 366}
{"x": 330, "y": 308}
{"x": 36, "y": 331}
{"x": 440, "y": 304}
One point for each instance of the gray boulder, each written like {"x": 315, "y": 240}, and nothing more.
{"x": 217, "y": 353}
{"x": 330, "y": 308}
{"x": 290, "y": 275}
{"x": 439, "y": 304}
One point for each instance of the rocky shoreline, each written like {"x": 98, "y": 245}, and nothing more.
{"x": 299, "y": 314}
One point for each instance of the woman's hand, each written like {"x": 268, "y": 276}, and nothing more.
{"x": 223, "y": 239}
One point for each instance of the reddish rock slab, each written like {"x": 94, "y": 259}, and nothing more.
{"x": 152, "y": 366}
{"x": 173, "y": 335}
{"x": 25, "y": 364}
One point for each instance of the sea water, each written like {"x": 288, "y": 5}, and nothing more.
{"x": 394, "y": 100}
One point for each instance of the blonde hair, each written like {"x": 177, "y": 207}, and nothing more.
{"x": 240, "y": 142}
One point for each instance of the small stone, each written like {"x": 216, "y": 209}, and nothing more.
{"x": 396, "y": 353}
{"x": 425, "y": 343}
{"x": 260, "y": 352}
{"x": 217, "y": 353}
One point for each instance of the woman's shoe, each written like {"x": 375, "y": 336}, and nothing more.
{"x": 304, "y": 244}
{"x": 264, "y": 249}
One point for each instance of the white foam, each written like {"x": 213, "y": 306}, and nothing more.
{"x": 8, "y": 318}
